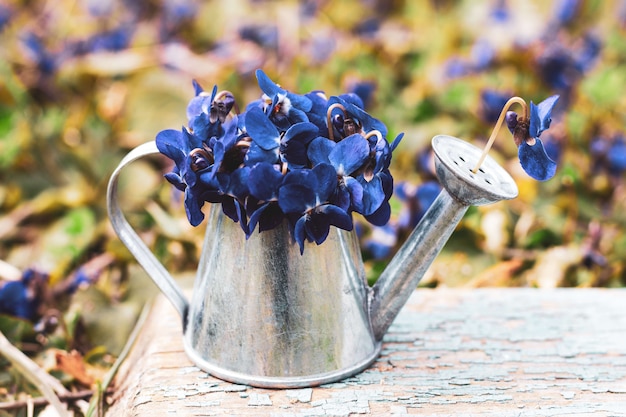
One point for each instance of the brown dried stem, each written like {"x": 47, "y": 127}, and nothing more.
{"x": 496, "y": 129}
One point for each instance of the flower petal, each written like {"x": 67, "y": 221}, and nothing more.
{"x": 267, "y": 216}
{"x": 300, "y": 102}
{"x": 540, "y": 116}
{"x": 296, "y": 198}
{"x": 293, "y": 146}
{"x": 193, "y": 208}
{"x": 356, "y": 193}
{"x": 299, "y": 233}
{"x": 303, "y": 132}
{"x": 536, "y": 161}
{"x": 319, "y": 149}
{"x": 256, "y": 154}
{"x": 264, "y": 182}
{"x": 349, "y": 154}
{"x": 337, "y": 217}
{"x": 373, "y": 194}
{"x": 170, "y": 143}
{"x": 381, "y": 216}
{"x": 396, "y": 142}
{"x": 323, "y": 181}
{"x": 268, "y": 86}
{"x": 261, "y": 129}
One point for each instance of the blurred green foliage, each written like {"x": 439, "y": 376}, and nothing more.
{"x": 81, "y": 83}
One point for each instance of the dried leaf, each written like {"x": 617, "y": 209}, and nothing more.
{"x": 72, "y": 363}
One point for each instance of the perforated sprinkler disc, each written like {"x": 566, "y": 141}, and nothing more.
{"x": 455, "y": 160}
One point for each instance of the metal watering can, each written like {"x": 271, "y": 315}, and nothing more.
{"x": 261, "y": 314}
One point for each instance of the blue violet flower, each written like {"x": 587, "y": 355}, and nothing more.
{"x": 531, "y": 151}
{"x": 301, "y": 159}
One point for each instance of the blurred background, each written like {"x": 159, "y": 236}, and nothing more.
{"x": 84, "y": 81}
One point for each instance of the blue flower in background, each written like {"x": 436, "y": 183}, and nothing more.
{"x": 609, "y": 154}
{"x": 381, "y": 242}
{"x": 481, "y": 56}
{"x": 365, "y": 91}
{"x": 492, "y": 103}
{"x": 563, "y": 66}
{"x": 415, "y": 202}
{"x": 112, "y": 40}
{"x": 5, "y": 16}
{"x": 617, "y": 156}
{"x": 264, "y": 35}
{"x": 565, "y": 11}
{"x": 46, "y": 61}
{"x": 23, "y": 298}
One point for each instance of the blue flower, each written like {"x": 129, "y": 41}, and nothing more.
{"x": 492, "y": 103}
{"x": 617, "y": 156}
{"x": 269, "y": 145}
{"x": 207, "y": 112}
{"x": 346, "y": 157}
{"x": 276, "y": 162}
{"x": 234, "y": 189}
{"x": 531, "y": 151}
{"x": 264, "y": 35}
{"x": 382, "y": 241}
{"x": 415, "y": 202}
{"x": 113, "y": 40}
{"x": 565, "y": 11}
{"x": 281, "y": 106}
{"x": 352, "y": 118}
{"x": 201, "y": 102}
{"x": 305, "y": 195}
{"x": 6, "y": 14}
{"x": 191, "y": 159}
{"x": 46, "y": 61}
{"x": 609, "y": 153}
{"x": 377, "y": 181}
{"x": 264, "y": 182}
{"x": 23, "y": 298}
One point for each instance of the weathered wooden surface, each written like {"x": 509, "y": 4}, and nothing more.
{"x": 495, "y": 352}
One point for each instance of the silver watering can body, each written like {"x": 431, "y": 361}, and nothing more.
{"x": 262, "y": 314}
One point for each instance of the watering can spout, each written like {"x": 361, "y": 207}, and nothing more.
{"x": 455, "y": 161}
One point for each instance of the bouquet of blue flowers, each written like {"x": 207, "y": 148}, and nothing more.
{"x": 306, "y": 159}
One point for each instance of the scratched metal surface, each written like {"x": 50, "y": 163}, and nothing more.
{"x": 485, "y": 352}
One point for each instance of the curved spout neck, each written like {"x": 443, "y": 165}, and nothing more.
{"x": 454, "y": 163}
{"x": 395, "y": 285}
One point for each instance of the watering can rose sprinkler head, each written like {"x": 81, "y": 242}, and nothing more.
{"x": 469, "y": 177}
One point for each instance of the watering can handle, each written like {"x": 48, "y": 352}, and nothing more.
{"x": 133, "y": 242}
